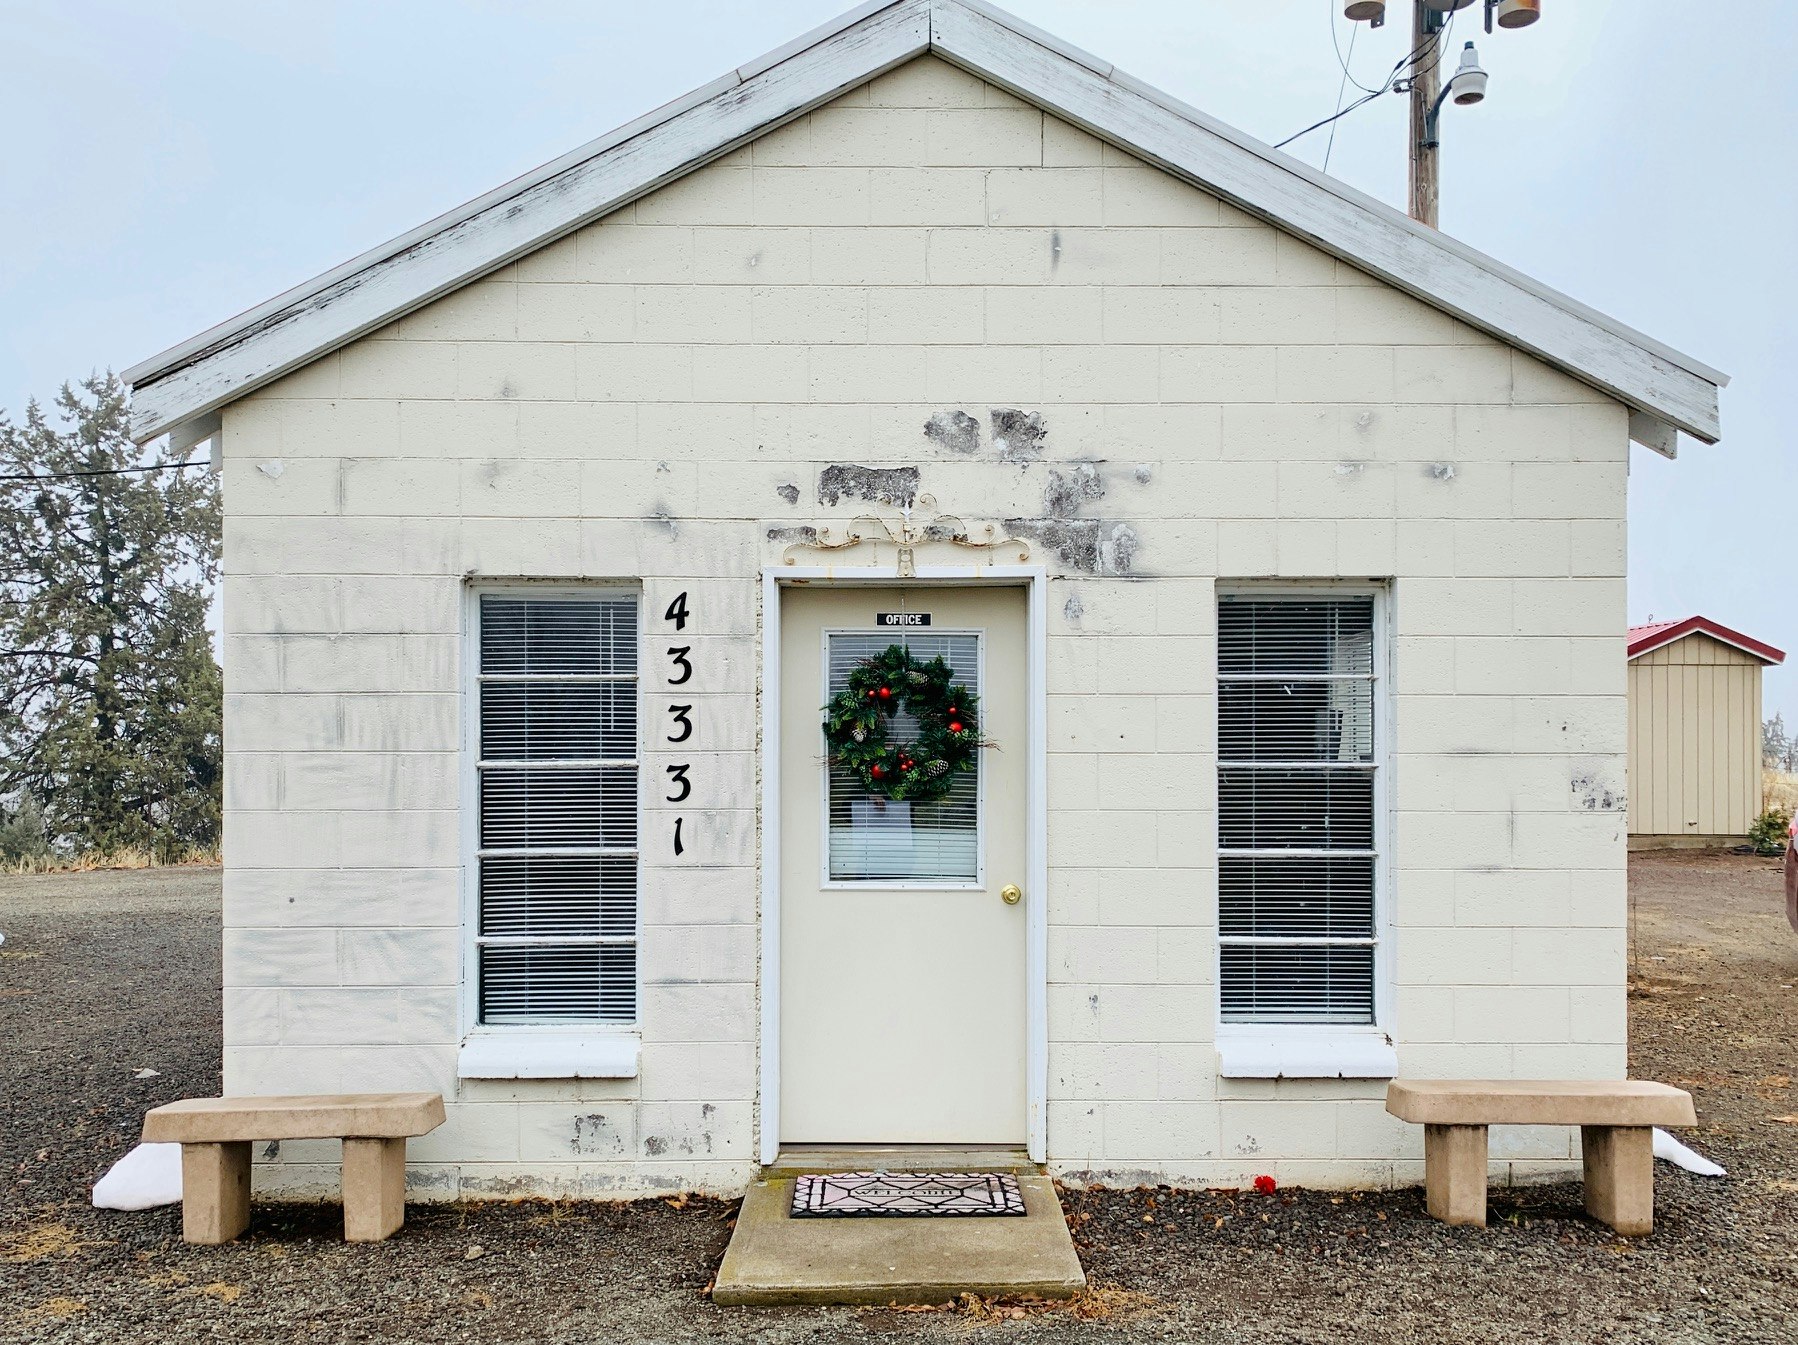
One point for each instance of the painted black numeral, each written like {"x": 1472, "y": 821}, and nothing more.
{"x": 677, "y": 654}
{"x": 682, "y": 716}
{"x": 679, "y": 848}
{"x": 680, "y": 778}
{"x": 677, "y": 611}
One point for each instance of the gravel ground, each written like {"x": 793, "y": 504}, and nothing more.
{"x": 107, "y": 974}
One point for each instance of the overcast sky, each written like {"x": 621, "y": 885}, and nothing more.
{"x": 167, "y": 165}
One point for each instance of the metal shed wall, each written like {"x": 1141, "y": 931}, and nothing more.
{"x": 1694, "y": 741}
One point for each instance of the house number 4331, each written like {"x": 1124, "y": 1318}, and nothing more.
{"x": 680, "y": 728}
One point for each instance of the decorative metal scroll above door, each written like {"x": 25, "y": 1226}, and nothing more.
{"x": 908, "y": 531}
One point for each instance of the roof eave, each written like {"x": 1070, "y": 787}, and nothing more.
{"x": 1668, "y": 390}
{"x": 1674, "y": 632}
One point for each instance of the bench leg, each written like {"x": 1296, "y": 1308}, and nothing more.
{"x": 215, "y": 1191}
{"x": 1619, "y": 1164}
{"x": 1454, "y": 1173}
{"x": 374, "y": 1188}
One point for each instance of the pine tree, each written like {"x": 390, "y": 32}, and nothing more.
{"x": 110, "y": 697}
{"x": 1776, "y": 746}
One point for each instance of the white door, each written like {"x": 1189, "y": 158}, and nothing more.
{"x": 902, "y": 1010}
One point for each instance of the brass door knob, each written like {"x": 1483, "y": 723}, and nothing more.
{"x": 1011, "y": 894}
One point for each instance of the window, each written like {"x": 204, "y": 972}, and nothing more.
{"x": 875, "y": 839}
{"x": 556, "y": 935}
{"x": 1298, "y": 746}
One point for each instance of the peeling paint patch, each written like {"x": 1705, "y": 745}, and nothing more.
{"x": 1019, "y": 435}
{"x": 802, "y": 535}
{"x": 661, "y": 517}
{"x": 1073, "y": 609}
{"x": 1440, "y": 471}
{"x": 594, "y": 1133}
{"x": 1350, "y": 468}
{"x": 1054, "y": 251}
{"x": 788, "y": 492}
{"x": 897, "y": 486}
{"x": 274, "y": 469}
{"x": 1143, "y": 474}
{"x": 1090, "y": 545}
{"x": 1067, "y": 491}
{"x": 655, "y": 1145}
{"x": 956, "y": 431}
{"x": 1593, "y": 795}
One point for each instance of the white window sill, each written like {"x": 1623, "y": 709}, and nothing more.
{"x": 1321, "y": 1055}
{"x": 549, "y": 1055}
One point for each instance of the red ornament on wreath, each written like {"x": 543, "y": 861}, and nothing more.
{"x": 858, "y": 719}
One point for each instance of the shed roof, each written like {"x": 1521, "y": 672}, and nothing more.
{"x": 1660, "y": 634}
{"x": 180, "y": 389}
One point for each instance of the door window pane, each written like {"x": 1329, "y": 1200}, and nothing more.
{"x": 876, "y": 839}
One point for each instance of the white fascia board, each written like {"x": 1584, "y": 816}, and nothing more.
{"x": 1421, "y": 261}
{"x": 364, "y": 295}
{"x": 368, "y": 292}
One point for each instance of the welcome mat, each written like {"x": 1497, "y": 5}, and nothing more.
{"x": 847, "y": 1195}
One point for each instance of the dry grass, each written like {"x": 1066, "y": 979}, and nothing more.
{"x": 1780, "y": 790}
{"x": 93, "y": 861}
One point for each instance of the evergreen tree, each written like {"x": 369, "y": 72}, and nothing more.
{"x": 1777, "y": 748}
{"x": 110, "y": 697}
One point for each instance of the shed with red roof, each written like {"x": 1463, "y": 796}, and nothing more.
{"x": 1694, "y": 732}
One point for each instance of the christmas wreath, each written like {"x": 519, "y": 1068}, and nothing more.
{"x": 856, "y": 720}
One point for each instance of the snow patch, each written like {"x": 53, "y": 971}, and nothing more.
{"x": 148, "y": 1176}
{"x": 1672, "y": 1151}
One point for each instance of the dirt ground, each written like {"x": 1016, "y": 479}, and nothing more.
{"x": 106, "y": 975}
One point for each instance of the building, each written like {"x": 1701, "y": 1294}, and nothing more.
{"x": 1282, "y": 540}
{"x": 1694, "y": 733}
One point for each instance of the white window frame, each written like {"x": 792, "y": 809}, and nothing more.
{"x": 528, "y": 1050}
{"x": 1324, "y": 1050}
{"x": 825, "y": 881}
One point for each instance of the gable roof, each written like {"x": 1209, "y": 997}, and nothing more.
{"x": 181, "y": 389}
{"x": 1660, "y": 634}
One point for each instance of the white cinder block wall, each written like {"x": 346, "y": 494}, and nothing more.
{"x": 656, "y": 398}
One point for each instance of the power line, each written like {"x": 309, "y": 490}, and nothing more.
{"x": 1336, "y": 42}
{"x": 1435, "y": 44}
{"x": 104, "y": 471}
{"x": 1341, "y": 88}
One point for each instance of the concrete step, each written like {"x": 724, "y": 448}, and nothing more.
{"x": 774, "y": 1258}
{"x": 792, "y": 1162}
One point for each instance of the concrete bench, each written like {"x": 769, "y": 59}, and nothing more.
{"x": 1616, "y": 1121}
{"x": 215, "y": 1134}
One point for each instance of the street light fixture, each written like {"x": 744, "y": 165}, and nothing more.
{"x": 1467, "y": 88}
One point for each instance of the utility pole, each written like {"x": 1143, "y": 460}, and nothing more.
{"x": 1426, "y": 81}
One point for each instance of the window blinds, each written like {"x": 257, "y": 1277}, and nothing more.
{"x": 1296, "y": 812}
{"x": 876, "y": 839}
{"x": 557, "y": 934}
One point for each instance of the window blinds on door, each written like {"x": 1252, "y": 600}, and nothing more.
{"x": 877, "y": 839}
{"x": 1296, "y": 808}
{"x": 557, "y": 858}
